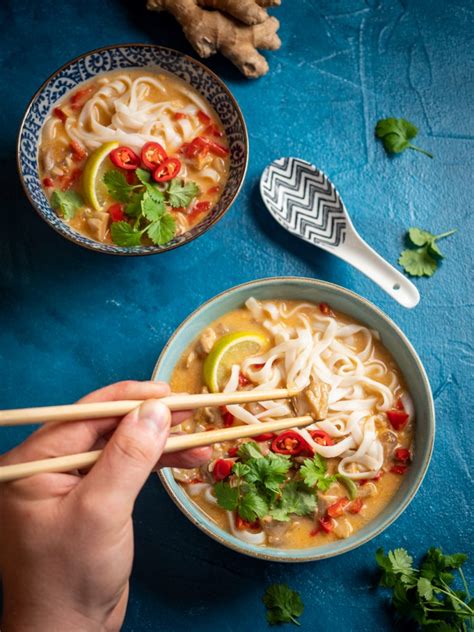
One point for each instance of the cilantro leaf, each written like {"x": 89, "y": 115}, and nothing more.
{"x": 396, "y": 134}
{"x": 249, "y": 450}
{"x": 181, "y": 193}
{"x": 269, "y": 471}
{"x": 283, "y": 604}
{"x": 227, "y": 496}
{"x": 424, "y": 588}
{"x": 418, "y": 262}
{"x": 295, "y": 499}
{"x": 66, "y": 203}
{"x": 252, "y": 506}
{"x": 152, "y": 208}
{"x": 314, "y": 473}
{"x": 123, "y": 234}
{"x": 143, "y": 175}
{"x": 117, "y": 185}
{"x": 241, "y": 470}
{"x": 162, "y": 230}
{"x": 134, "y": 206}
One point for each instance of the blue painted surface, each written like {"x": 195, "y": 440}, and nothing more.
{"x": 72, "y": 320}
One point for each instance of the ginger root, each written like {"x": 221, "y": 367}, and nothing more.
{"x": 236, "y": 28}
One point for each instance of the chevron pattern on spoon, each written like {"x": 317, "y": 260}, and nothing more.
{"x": 305, "y": 202}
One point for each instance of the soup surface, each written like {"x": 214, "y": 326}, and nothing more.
{"x": 133, "y": 157}
{"x": 302, "y": 487}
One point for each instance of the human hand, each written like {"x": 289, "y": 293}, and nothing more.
{"x": 66, "y": 540}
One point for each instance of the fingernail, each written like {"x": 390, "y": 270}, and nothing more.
{"x": 155, "y": 416}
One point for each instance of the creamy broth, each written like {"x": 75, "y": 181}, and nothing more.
{"x": 133, "y": 108}
{"x": 373, "y": 492}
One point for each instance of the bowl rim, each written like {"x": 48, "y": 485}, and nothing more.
{"x": 154, "y": 250}
{"x": 430, "y": 428}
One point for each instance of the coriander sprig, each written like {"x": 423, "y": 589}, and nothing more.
{"x": 396, "y": 134}
{"x": 423, "y": 260}
{"x": 283, "y": 604}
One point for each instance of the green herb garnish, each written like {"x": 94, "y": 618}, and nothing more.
{"x": 66, "y": 203}
{"x": 283, "y": 604}
{"x": 146, "y": 203}
{"x": 259, "y": 487}
{"x": 422, "y": 261}
{"x": 425, "y": 595}
{"x": 315, "y": 473}
{"x": 396, "y": 134}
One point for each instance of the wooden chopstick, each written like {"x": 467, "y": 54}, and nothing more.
{"x": 98, "y": 410}
{"x": 174, "y": 444}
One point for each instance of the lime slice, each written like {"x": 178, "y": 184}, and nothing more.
{"x": 94, "y": 189}
{"x": 230, "y": 349}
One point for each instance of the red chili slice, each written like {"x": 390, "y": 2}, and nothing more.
{"x": 355, "y": 506}
{"x": 203, "y": 117}
{"x": 130, "y": 177}
{"x": 326, "y": 523}
{"x": 153, "y": 154}
{"x": 116, "y": 212}
{"x": 198, "y": 147}
{"x": 325, "y": 309}
{"x": 321, "y": 437}
{"x": 125, "y": 158}
{"x": 402, "y": 454}
{"x": 289, "y": 442}
{"x": 167, "y": 170}
{"x": 58, "y": 113}
{"x": 337, "y": 509}
{"x": 265, "y": 436}
{"x": 48, "y": 182}
{"x": 227, "y": 417}
{"x": 399, "y": 469}
{"x": 398, "y": 418}
{"x": 222, "y": 469}
{"x": 78, "y": 151}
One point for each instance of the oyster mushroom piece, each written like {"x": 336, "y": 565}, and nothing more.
{"x": 313, "y": 400}
{"x": 98, "y": 225}
{"x": 343, "y": 528}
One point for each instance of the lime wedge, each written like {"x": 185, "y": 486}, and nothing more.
{"x": 94, "y": 189}
{"x": 230, "y": 349}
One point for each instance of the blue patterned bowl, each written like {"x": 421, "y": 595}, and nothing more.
{"x": 292, "y": 288}
{"x": 125, "y": 56}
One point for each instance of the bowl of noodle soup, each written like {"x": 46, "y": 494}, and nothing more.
{"x": 371, "y": 447}
{"x": 132, "y": 149}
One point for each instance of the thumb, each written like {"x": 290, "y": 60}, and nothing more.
{"x": 128, "y": 458}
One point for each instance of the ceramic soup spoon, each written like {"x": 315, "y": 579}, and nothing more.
{"x": 304, "y": 201}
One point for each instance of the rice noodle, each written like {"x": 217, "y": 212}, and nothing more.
{"x": 320, "y": 347}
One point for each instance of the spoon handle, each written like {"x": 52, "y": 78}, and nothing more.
{"x": 359, "y": 254}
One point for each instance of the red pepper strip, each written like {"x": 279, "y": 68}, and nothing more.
{"x": 243, "y": 525}
{"x": 203, "y": 117}
{"x": 125, "y": 158}
{"x": 167, "y": 170}
{"x": 355, "y": 506}
{"x": 194, "y": 481}
{"x": 315, "y": 531}
{"x": 233, "y": 450}
{"x": 198, "y": 209}
{"x": 325, "y": 309}
{"x": 69, "y": 179}
{"x": 130, "y": 177}
{"x": 116, "y": 212}
{"x": 198, "y": 147}
{"x": 218, "y": 149}
{"x": 213, "y": 190}
{"x": 337, "y": 509}
{"x": 257, "y": 367}
{"x": 78, "y": 151}
{"x": 398, "y": 418}
{"x": 179, "y": 115}
{"x": 48, "y": 182}
{"x": 402, "y": 454}
{"x": 243, "y": 380}
{"x": 265, "y": 436}
{"x": 289, "y": 442}
{"x": 80, "y": 97}
{"x": 228, "y": 417}
{"x": 153, "y": 154}
{"x": 213, "y": 130}
{"x": 321, "y": 437}
{"x": 399, "y": 404}
{"x": 58, "y": 113}
{"x": 399, "y": 469}
{"x": 222, "y": 469}
{"x": 326, "y": 523}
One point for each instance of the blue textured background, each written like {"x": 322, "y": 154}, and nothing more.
{"x": 71, "y": 320}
